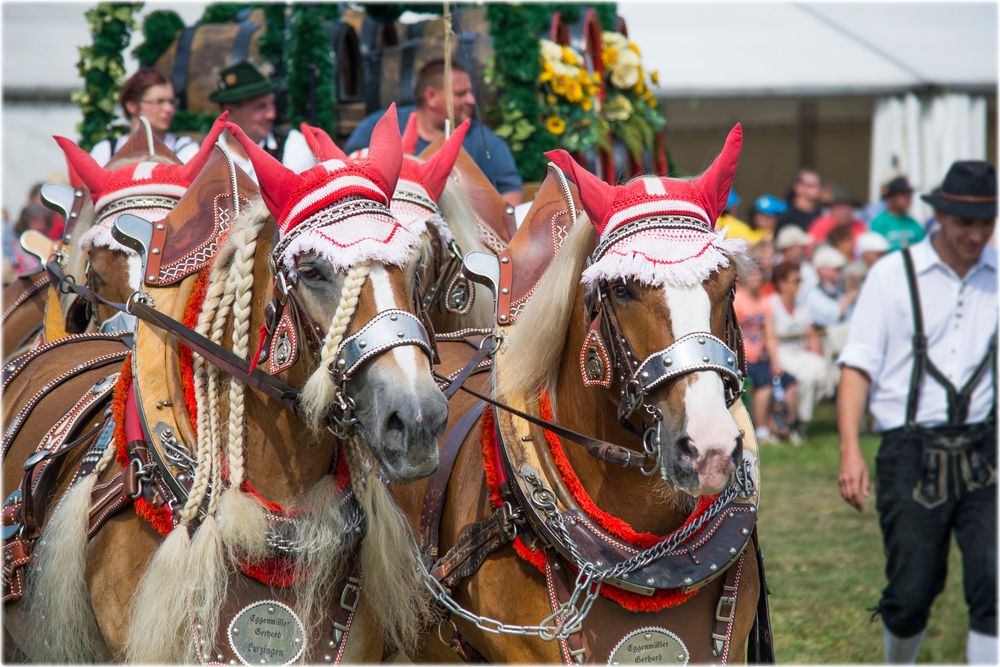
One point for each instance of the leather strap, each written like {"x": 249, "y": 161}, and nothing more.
{"x": 474, "y": 544}
{"x": 437, "y": 487}
{"x": 505, "y": 286}
{"x": 760, "y": 643}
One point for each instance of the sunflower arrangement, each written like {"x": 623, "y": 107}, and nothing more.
{"x": 571, "y": 109}
{"x": 629, "y": 107}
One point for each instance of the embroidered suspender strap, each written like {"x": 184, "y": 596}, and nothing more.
{"x": 958, "y": 399}
{"x": 437, "y": 486}
{"x": 919, "y": 340}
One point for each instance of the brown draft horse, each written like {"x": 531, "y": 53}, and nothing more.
{"x": 546, "y": 366}
{"x": 78, "y": 595}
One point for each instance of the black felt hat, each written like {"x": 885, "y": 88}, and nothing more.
{"x": 239, "y": 82}
{"x": 969, "y": 191}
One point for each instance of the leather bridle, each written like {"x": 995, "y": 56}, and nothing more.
{"x": 638, "y": 378}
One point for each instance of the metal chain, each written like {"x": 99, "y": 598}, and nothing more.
{"x": 569, "y": 616}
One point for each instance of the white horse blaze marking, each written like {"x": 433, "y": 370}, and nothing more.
{"x": 709, "y": 424}
{"x": 405, "y": 355}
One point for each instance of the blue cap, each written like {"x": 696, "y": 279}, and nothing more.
{"x": 734, "y": 199}
{"x": 770, "y": 205}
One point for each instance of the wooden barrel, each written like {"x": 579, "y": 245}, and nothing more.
{"x": 193, "y": 61}
{"x": 390, "y": 67}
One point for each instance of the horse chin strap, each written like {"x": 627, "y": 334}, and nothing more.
{"x": 607, "y": 356}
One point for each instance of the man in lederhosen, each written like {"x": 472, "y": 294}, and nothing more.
{"x": 922, "y": 351}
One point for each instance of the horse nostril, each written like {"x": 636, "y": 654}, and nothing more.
{"x": 395, "y": 425}
{"x": 685, "y": 447}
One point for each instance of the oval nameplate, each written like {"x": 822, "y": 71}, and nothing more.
{"x": 267, "y": 633}
{"x": 649, "y": 646}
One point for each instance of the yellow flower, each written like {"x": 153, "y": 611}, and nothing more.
{"x": 597, "y": 77}
{"x": 587, "y": 104}
{"x": 550, "y": 99}
{"x": 634, "y": 48}
{"x": 568, "y": 56}
{"x": 655, "y": 77}
{"x": 555, "y": 125}
{"x": 609, "y": 56}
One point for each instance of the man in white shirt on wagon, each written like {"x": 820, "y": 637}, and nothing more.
{"x": 922, "y": 352}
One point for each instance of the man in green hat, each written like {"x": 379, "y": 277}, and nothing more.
{"x": 248, "y": 96}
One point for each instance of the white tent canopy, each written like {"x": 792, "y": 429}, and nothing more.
{"x": 755, "y": 48}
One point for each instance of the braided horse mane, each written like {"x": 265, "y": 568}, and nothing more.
{"x": 233, "y": 530}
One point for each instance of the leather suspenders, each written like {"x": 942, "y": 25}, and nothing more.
{"x": 958, "y": 399}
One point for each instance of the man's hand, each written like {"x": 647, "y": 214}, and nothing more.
{"x": 852, "y": 394}
{"x": 853, "y": 479}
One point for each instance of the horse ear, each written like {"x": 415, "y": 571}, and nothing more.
{"x": 434, "y": 173}
{"x": 715, "y": 183}
{"x": 410, "y": 136}
{"x": 385, "y": 151}
{"x": 198, "y": 161}
{"x": 93, "y": 175}
{"x": 277, "y": 182}
{"x": 321, "y": 144}
{"x": 595, "y": 195}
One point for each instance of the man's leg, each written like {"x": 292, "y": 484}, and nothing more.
{"x": 976, "y": 533}
{"x": 916, "y": 539}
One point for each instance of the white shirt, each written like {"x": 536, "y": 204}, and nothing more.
{"x": 790, "y": 328}
{"x": 184, "y": 148}
{"x": 960, "y": 316}
{"x": 823, "y": 308}
{"x": 296, "y": 155}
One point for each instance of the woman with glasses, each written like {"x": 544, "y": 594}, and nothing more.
{"x": 148, "y": 93}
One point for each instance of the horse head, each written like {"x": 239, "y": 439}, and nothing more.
{"x": 653, "y": 312}
{"x": 348, "y": 268}
{"x": 143, "y": 178}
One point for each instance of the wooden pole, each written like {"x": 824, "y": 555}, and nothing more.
{"x": 448, "y": 88}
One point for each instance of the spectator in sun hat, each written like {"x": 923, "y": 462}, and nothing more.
{"x": 828, "y": 303}
{"x": 766, "y": 210}
{"x": 793, "y": 245}
{"x": 871, "y": 247}
{"x": 248, "y": 96}
{"x": 921, "y": 354}
{"x": 735, "y": 228}
{"x": 895, "y": 223}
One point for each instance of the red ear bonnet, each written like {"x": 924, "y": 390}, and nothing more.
{"x": 410, "y": 136}
{"x": 595, "y": 195}
{"x": 717, "y": 180}
{"x": 292, "y": 197}
{"x": 142, "y": 178}
{"x": 433, "y": 174}
{"x": 321, "y": 144}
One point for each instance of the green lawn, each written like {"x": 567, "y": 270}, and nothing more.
{"x": 825, "y": 563}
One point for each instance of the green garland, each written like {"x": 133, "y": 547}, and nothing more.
{"x": 159, "y": 29}
{"x": 102, "y": 68}
{"x": 311, "y": 88}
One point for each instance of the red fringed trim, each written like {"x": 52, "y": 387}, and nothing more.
{"x": 158, "y": 517}
{"x": 614, "y": 525}
{"x": 661, "y": 599}
{"x": 118, "y": 398}
{"x": 272, "y": 572}
{"x": 191, "y": 313}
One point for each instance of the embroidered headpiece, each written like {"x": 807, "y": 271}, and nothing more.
{"x": 140, "y": 178}
{"x": 310, "y": 207}
{"x": 414, "y": 202}
{"x": 658, "y": 230}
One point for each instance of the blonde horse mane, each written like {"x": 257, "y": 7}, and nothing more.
{"x": 196, "y": 573}
{"x": 546, "y": 318}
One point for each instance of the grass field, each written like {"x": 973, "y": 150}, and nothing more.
{"x": 825, "y": 563}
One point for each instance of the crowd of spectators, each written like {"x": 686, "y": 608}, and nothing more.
{"x": 813, "y": 249}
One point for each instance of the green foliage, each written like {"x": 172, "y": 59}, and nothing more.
{"x": 311, "y": 88}
{"x": 159, "y": 29}
{"x": 272, "y": 42}
{"x": 102, "y": 68}
{"x": 192, "y": 121}
{"x": 222, "y": 12}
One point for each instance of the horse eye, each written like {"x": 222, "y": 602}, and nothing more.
{"x": 622, "y": 292}
{"x": 309, "y": 272}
